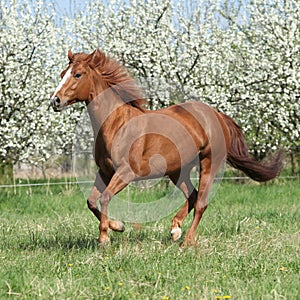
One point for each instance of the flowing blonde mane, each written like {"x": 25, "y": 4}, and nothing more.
{"x": 114, "y": 76}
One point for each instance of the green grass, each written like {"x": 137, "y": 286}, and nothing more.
{"x": 247, "y": 247}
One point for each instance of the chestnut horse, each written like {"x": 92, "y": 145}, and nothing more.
{"x": 133, "y": 143}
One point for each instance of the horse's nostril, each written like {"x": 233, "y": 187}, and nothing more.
{"x": 56, "y": 100}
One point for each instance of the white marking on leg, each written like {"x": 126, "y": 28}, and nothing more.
{"x": 174, "y": 230}
{"x": 63, "y": 81}
{"x": 176, "y": 234}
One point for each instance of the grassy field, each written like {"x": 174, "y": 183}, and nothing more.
{"x": 247, "y": 247}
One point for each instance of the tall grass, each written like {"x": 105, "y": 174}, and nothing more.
{"x": 247, "y": 247}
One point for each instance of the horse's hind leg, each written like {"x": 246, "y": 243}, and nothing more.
{"x": 190, "y": 193}
{"x": 207, "y": 176}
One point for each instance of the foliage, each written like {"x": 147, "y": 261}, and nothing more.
{"x": 242, "y": 57}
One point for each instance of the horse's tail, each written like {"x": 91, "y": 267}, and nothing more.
{"x": 239, "y": 158}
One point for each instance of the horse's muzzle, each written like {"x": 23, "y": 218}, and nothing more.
{"x": 55, "y": 103}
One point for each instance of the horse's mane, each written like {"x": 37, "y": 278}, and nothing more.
{"x": 116, "y": 77}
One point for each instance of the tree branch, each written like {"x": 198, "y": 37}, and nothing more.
{"x": 161, "y": 15}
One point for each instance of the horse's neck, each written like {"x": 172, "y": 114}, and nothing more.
{"x": 108, "y": 113}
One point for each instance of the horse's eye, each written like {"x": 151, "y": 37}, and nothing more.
{"x": 77, "y": 75}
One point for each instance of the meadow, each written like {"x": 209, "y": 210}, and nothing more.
{"x": 247, "y": 247}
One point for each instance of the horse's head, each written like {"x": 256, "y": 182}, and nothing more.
{"x": 88, "y": 75}
{"x": 75, "y": 84}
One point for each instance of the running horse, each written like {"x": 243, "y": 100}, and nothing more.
{"x": 133, "y": 143}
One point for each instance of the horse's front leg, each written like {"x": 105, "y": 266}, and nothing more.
{"x": 98, "y": 188}
{"x": 119, "y": 181}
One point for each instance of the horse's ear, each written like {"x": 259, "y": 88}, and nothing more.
{"x": 70, "y": 55}
{"x": 95, "y": 58}
{"x": 90, "y": 56}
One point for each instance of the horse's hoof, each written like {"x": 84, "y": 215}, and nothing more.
{"x": 121, "y": 227}
{"x": 117, "y": 226}
{"x": 176, "y": 234}
{"x": 104, "y": 242}
{"x": 187, "y": 243}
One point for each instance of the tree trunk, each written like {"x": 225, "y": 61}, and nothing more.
{"x": 6, "y": 173}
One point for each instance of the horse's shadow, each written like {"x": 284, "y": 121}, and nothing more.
{"x": 89, "y": 242}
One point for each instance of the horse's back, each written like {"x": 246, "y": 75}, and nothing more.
{"x": 204, "y": 124}
{"x": 197, "y": 116}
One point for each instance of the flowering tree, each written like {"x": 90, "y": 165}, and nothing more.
{"x": 31, "y": 48}
{"x": 263, "y": 68}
